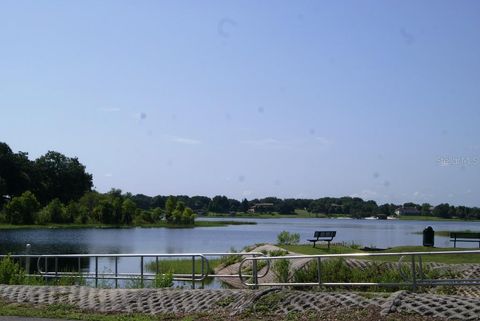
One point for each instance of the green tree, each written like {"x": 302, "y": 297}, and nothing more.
{"x": 188, "y": 217}
{"x": 128, "y": 209}
{"x": 22, "y": 209}
{"x": 245, "y": 205}
{"x": 105, "y": 212}
{"x": 73, "y": 213}
{"x": 425, "y": 210}
{"x": 442, "y": 210}
{"x": 169, "y": 208}
{"x": 15, "y": 173}
{"x": 61, "y": 177}
{"x": 54, "y": 212}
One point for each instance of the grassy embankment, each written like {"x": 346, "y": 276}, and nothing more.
{"x": 341, "y": 249}
{"x": 185, "y": 266}
{"x": 106, "y": 226}
{"x": 262, "y": 312}
{"x": 432, "y": 218}
{"x": 306, "y": 214}
{"x": 297, "y": 214}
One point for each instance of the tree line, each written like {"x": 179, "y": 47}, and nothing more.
{"x": 55, "y": 188}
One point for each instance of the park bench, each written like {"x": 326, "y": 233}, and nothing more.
{"x": 323, "y": 236}
{"x": 464, "y": 237}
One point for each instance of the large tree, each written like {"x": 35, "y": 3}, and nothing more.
{"x": 61, "y": 177}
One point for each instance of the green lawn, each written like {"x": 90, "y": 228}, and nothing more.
{"x": 340, "y": 249}
{"x": 431, "y": 218}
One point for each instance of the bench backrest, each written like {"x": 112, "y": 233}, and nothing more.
{"x": 464, "y": 235}
{"x": 324, "y": 234}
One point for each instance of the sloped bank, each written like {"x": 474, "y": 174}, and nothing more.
{"x": 244, "y": 302}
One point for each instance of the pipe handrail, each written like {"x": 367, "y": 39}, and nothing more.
{"x": 414, "y": 282}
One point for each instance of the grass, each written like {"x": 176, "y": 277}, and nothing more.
{"x": 181, "y": 266}
{"x": 447, "y": 233}
{"x": 342, "y": 249}
{"x": 430, "y": 218}
{"x": 262, "y": 312}
{"x": 107, "y": 226}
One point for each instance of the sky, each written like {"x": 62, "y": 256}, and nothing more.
{"x": 248, "y": 99}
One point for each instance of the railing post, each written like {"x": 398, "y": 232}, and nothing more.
{"x": 420, "y": 268}
{"x": 157, "y": 266}
{"x": 255, "y": 272}
{"x": 141, "y": 271}
{"x": 203, "y": 272}
{"x": 193, "y": 271}
{"x": 319, "y": 270}
{"x": 56, "y": 268}
{"x": 27, "y": 259}
{"x": 80, "y": 270}
{"x": 96, "y": 271}
{"x": 116, "y": 272}
{"x": 414, "y": 276}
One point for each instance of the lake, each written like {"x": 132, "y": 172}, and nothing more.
{"x": 373, "y": 233}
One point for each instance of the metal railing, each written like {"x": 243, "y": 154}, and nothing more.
{"x": 47, "y": 266}
{"x": 414, "y": 278}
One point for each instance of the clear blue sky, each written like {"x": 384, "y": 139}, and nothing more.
{"x": 377, "y": 99}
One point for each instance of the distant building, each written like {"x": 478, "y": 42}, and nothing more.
{"x": 407, "y": 211}
{"x": 261, "y": 208}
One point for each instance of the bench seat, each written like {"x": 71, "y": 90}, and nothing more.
{"x": 323, "y": 236}
{"x": 464, "y": 237}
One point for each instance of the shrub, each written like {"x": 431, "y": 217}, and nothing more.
{"x": 11, "y": 272}
{"x": 286, "y": 238}
{"x": 281, "y": 270}
{"x": 164, "y": 280}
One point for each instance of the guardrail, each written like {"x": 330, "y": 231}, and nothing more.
{"x": 47, "y": 266}
{"x": 415, "y": 279}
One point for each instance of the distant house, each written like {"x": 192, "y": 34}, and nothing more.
{"x": 407, "y": 211}
{"x": 261, "y": 208}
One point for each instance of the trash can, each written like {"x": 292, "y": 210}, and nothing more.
{"x": 428, "y": 236}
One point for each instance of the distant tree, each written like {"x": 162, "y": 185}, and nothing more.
{"x": 128, "y": 211}
{"x": 442, "y": 210}
{"x": 73, "y": 213}
{"x": 245, "y": 205}
{"x": 188, "y": 216}
{"x": 56, "y": 211}
{"x": 199, "y": 203}
{"x": 15, "y": 173}
{"x": 143, "y": 201}
{"x": 285, "y": 208}
{"x": 105, "y": 212}
{"x": 157, "y": 214}
{"x": 219, "y": 204}
{"x": 61, "y": 177}
{"x": 22, "y": 209}
{"x": 425, "y": 210}
{"x": 170, "y": 205}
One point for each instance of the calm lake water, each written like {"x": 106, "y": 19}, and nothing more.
{"x": 377, "y": 233}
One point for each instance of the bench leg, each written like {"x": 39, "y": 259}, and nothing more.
{"x": 313, "y": 244}
{"x": 328, "y": 244}
{"x": 454, "y": 243}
